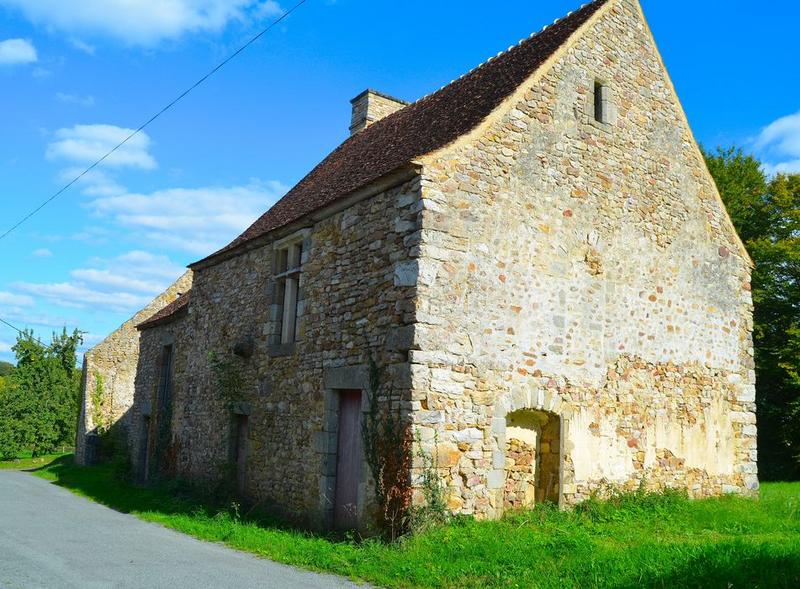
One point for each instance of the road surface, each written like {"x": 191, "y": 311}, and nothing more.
{"x": 54, "y": 539}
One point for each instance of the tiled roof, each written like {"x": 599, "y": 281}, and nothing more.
{"x": 169, "y": 313}
{"x": 417, "y": 129}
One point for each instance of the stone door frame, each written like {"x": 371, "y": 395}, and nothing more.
{"x": 326, "y": 442}
{"x": 533, "y": 400}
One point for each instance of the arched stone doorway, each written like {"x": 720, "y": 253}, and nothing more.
{"x": 532, "y": 458}
{"x": 530, "y": 430}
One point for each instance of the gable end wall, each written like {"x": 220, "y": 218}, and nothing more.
{"x": 113, "y": 362}
{"x": 588, "y": 270}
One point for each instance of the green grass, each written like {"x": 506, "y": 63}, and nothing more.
{"x": 635, "y": 541}
{"x": 25, "y": 462}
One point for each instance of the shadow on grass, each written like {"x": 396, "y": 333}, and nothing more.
{"x": 600, "y": 545}
{"x": 109, "y": 485}
{"x": 729, "y": 565}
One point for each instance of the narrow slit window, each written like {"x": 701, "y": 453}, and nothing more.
{"x": 602, "y": 103}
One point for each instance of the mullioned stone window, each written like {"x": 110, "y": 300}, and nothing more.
{"x": 287, "y": 292}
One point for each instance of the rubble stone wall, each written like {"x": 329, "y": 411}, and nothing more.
{"x": 109, "y": 372}
{"x": 355, "y": 305}
{"x": 587, "y": 269}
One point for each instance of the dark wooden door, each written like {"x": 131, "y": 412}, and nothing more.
{"x": 348, "y": 464}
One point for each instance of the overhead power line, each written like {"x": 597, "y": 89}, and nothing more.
{"x": 18, "y": 330}
{"x": 25, "y": 332}
{"x": 153, "y": 118}
{"x": 14, "y": 327}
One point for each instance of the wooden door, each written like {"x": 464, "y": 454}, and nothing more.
{"x": 348, "y": 460}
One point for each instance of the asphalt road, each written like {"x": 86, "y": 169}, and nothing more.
{"x": 54, "y": 539}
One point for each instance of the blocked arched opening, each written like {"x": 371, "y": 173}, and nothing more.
{"x": 532, "y": 458}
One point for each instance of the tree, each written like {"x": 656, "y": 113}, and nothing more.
{"x": 39, "y": 402}
{"x": 766, "y": 213}
{"x": 6, "y": 368}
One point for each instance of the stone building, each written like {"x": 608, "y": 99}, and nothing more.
{"x": 532, "y": 263}
{"x": 109, "y": 374}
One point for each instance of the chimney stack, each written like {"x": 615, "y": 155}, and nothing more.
{"x": 371, "y": 106}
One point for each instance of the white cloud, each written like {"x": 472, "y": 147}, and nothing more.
{"x": 135, "y": 270}
{"x": 74, "y": 295}
{"x": 124, "y": 283}
{"x": 95, "y": 182}
{"x": 17, "y": 51}
{"x": 81, "y": 45}
{"x": 268, "y": 9}
{"x": 5, "y": 347}
{"x": 27, "y": 318}
{"x": 87, "y": 100}
{"x": 88, "y": 143}
{"x": 141, "y": 22}
{"x": 779, "y": 145}
{"x": 42, "y": 252}
{"x": 196, "y": 220}
{"x": 108, "y": 279}
{"x": 16, "y": 300}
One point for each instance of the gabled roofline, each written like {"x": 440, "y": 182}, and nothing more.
{"x": 175, "y": 310}
{"x": 540, "y": 72}
{"x": 399, "y": 176}
{"x": 515, "y": 97}
{"x": 419, "y": 128}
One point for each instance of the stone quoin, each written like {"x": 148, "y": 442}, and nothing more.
{"x": 534, "y": 257}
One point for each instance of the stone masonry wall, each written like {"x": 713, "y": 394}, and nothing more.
{"x": 355, "y": 302}
{"x": 160, "y": 457}
{"x": 588, "y": 270}
{"x": 111, "y": 366}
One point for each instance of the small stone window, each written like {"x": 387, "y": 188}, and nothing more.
{"x": 287, "y": 276}
{"x": 602, "y": 103}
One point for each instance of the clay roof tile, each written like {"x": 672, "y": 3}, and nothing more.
{"x": 422, "y": 127}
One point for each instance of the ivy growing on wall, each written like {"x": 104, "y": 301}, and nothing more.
{"x": 98, "y": 394}
{"x": 388, "y": 446}
{"x": 228, "y": 376}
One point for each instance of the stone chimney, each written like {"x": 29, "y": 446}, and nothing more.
{"x": 371, "y": 106}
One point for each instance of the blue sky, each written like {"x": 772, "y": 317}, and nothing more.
{"x": 76, "y": 75}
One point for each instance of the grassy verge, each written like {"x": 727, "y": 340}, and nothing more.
{"x": 25, "y": 462}
{"x": 636, "y": 541}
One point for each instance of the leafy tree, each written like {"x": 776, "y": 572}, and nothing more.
{"x": 6, "y": 368}
{"x": 39, "y": 402}
{"x": 766, "y": 212}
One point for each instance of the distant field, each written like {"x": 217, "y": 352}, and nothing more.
{"x": 647, "y": 540}
{"x": 25, "y": 461}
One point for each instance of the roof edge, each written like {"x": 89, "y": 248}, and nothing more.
{"x": 324, "y": 184}
{"x": 742, "y": 249}
{"x": 175, "y": 310}
{"x": 398, "y": 176}
{"x": 534, "y": 77}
